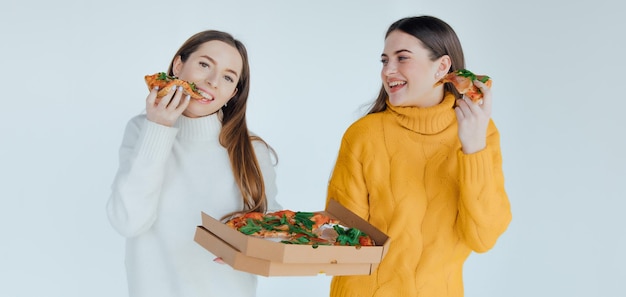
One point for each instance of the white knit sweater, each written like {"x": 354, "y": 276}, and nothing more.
{"x": 166, "y": 177}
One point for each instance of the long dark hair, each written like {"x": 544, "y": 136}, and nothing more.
{"x": 437, "y": 37}
{"x": 234, "y": 135}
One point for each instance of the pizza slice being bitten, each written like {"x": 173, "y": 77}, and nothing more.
{"x": 165, "y": 82}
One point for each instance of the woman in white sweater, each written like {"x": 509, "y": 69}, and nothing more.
{"x": 184, "y": 156}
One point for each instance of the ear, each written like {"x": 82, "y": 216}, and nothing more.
{"x": 177, "y": 65}
{"x": 444, "y": 64}
{"x": 234, "y": 93}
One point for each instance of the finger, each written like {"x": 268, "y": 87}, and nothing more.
{"x": 487, "y": 99}
{"x": 151, "y": 99}
{"x": 165, "y": 101}
{"x": 471, "y": 105}
{"x": 461, "y": 109}
{"x": 183, "y": 105}
{"x": 176, "y": 98}
{"x": 459, "y": 114}
{"x": 219, "y": 260}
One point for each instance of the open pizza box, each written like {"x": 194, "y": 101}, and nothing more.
{"x": 269, "y": 258}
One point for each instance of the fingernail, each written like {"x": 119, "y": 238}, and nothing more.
{"x": 156, "y": 87}
{"x": 174, "y": 87}
{"x": 180, "y": 88}
{"x": 188, "y": 97}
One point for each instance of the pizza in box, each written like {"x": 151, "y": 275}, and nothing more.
{"x": 298, "y": 227}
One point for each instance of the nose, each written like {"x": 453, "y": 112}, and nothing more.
{"x": 211, "y": 79}
{"x": 390, "y": 68}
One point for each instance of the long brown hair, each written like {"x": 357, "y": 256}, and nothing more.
{"x": 437, "y": 37}
{"x": 234, "y": 135}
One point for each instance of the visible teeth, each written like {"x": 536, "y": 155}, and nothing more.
{"x": 205, "y": 95}
{"x": 395, "y": 83}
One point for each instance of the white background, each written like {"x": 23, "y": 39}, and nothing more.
{"x": 72, "y": 72}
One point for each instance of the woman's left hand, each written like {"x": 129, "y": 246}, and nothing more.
{"x": 473, "y": 119}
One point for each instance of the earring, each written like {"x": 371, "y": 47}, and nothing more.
{"x": 436, "y": 74}
{"x": 225, "y": 104}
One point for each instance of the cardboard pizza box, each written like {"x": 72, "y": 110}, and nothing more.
{"x": 264, "y": 249}
{"x": 239, "y": 261}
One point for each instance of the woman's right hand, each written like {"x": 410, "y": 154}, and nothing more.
{"x": 167, "y": 110}
{"x": 473, "y": 119}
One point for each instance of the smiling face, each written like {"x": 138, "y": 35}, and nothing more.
{"x": 409, "y": 73}
{"x": 215, "y": 68}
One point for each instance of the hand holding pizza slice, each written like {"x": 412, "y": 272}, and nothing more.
{"x": 463, "y": 81}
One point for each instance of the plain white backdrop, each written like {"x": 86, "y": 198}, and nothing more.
{"x": 72, "y": 75}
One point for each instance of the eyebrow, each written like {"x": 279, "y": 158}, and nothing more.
{"x": 215, "y": 62}
{"x": 397, "y": 52}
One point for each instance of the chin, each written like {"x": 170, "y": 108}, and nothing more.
{"x": 198, "y": 113}
{"x": 397, "y": 101}
{"x": 202, "y": 109}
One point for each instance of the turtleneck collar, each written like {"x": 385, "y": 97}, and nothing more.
{"x": 202, "y": 128}
{"x": 426, "y": 120}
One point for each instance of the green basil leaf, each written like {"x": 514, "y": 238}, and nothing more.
{"x": 304, "y": 219}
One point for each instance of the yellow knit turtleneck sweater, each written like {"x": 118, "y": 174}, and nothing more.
{"x": 403, "y": 170}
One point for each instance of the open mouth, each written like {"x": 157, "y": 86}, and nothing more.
{"x": 207, "y": 97}
{"x": 394, "y": 85}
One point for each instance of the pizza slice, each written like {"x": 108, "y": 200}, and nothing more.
{"x": 463, "y": 81}
{"x": 260, "y": 225}
{"x": 165, "y": 82}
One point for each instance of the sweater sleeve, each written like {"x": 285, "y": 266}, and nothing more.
{"x": 264, "y": 157}
{"x": 347, "y": 182}
{"x": 484, "y": 209}
{"x": 133, "y": 203}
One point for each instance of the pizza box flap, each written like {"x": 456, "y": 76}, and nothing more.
{"x": 350, "y": 219}
{"x": 295, "y": 253}
{"x": 239, "y": 261}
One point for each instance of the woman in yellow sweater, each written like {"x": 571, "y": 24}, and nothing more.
{"x": 424, "y": 166}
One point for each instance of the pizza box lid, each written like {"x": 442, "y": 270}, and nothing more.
{"x": 295, "y": 253}
{"x": 263, "y": 267}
